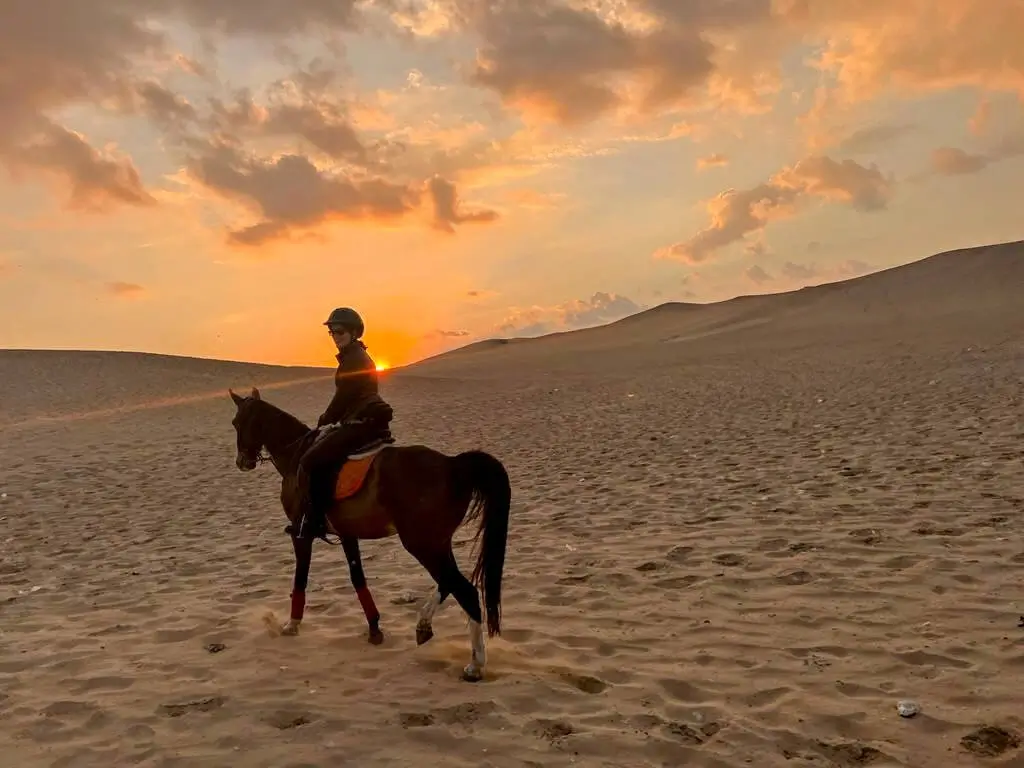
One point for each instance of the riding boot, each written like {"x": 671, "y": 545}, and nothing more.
{"x": 303, "y": 505}
{"x": 314, "y": 523}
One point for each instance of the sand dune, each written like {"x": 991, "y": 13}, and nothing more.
{"x": 741, "y": 534}
{"x": 966, "y": 291}
{"x": 41, "y": 384}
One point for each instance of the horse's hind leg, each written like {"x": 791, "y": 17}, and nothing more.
{"x": 355, "y": 572}
{"x": 450, "y": 579}
{"x": 465, "y": 593}
{"x": 432, "y": 604}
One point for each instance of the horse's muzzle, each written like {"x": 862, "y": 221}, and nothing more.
{"x": 245, "y": 463}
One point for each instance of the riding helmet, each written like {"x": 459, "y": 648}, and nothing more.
{"x": 347, "y": 318}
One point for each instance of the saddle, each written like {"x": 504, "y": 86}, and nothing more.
{"x": 358, "y": 461}
{"x": 354, "y": 471}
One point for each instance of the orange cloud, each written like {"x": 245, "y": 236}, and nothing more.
{"x": 579, "y": 313}
{"x": 737, "y": 213}
{"x": 712, "y": 161}
{"x": 873, "y": 45}
{"x": 953, "y": 161}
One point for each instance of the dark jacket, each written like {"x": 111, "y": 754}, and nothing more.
{"x": 355, "y": 384}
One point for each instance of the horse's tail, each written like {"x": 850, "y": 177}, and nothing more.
{"x": 488, "y": 482}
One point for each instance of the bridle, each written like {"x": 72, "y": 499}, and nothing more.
{"x": 262, "y": 456}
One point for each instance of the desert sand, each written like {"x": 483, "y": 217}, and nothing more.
{"x": 741, "y": 533}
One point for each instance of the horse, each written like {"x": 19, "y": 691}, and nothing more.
{"x": 415, "y": 492}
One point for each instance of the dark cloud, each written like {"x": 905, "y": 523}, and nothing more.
{"x": 757, "y": 275}
{"x": 125, "y": 290}
{"x": 563, "y": 62}
{"x": 873, "y": 137}
{"x": 57, "y": 52}
{"x": 95, "y": 180}
{"x": 304, "y": 105}
{"x": 291, "y": 193}
{"x": 799, "y": 271}
{"x": 447, "y": 210}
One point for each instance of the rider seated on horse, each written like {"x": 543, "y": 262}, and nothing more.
{"x": 356, "y": 417}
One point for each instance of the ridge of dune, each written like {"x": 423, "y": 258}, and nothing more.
{"x": 44, "y": 384}
{"x": 976, "y": 283}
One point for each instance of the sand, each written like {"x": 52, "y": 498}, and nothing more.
{"x": 739, "y": 538}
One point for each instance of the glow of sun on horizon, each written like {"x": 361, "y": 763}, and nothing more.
{"x": 382, "y": 366}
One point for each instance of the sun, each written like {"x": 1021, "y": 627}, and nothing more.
{"x": 382, "y": 366}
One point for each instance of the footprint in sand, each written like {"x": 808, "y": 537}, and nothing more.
{"x": 679, "y": 554}
{"x": 415, "y": 719}
{"x": 286, "y": 720}
{"x": 649, "y": 566}
{"x": 694, "y": 736}
{"x": 585, "y": 683}
{"x": 553, "y": 731}
{"x": 795, "y": 578}
{"x": 868, "y": 536}
{"x": 730, "y": 559}
{"x": 990, "y": 741}
{"x": 207, "y": 704}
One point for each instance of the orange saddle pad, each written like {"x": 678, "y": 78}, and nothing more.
{"x": 352, "y": 476}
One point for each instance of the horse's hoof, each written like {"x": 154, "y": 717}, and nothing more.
{"x": 472, "y": 674}
{"x": 290, "y": 630}
{"x": 423, "y": 634}
{"x": 376, "y": 637}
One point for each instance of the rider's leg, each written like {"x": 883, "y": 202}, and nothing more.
{"x": 319, "y": 465}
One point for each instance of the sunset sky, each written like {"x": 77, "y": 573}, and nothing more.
{"x": 212, "y": 177}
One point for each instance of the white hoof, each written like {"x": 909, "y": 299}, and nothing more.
{"x": 472, "y": 673}
{"x": 291, "y": 628}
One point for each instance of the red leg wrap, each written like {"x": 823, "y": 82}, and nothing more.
{"x": 298, "y": 605}
{"x": 369, "y": 608}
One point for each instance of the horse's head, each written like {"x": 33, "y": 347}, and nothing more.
{"x": 247, "y": 428}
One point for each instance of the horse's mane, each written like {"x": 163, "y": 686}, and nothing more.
{"x": 282, "y": 421}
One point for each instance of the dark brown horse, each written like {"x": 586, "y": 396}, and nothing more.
{"x": 413, "y": 491}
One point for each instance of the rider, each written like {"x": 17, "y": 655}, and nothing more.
{"x": 356, "y": 416}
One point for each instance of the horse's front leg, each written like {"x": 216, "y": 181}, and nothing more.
{"x": 303, "y": 555}
{"x": 355, "y": 572}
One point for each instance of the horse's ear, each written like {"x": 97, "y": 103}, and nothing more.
{"x": 255, "y": 394}
{"x": 237, "y": 398}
